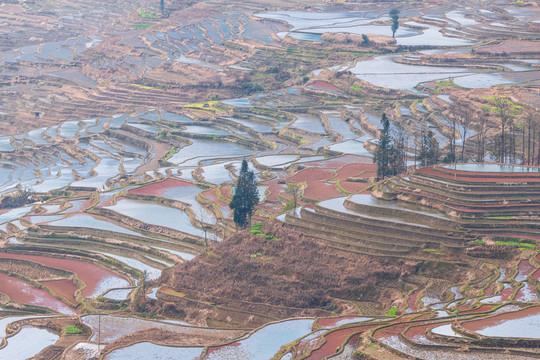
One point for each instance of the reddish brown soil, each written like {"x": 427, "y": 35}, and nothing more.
{"x": 536, "y": 275}
{"x": 324, "y": 85}
{"x": 331, "y": 322}
{"x": 412, "y": 300}
{"x": 157, "y": 188}
{"x": 64, "y": 287}
{"x": 483, "y": 308}
{"x": 520, "y": 295}
{"x": 525, "y": 268}
{"x": 506, "y": 293}
{"x": 212, "y": 195}
{"x": 321, "y": 191}
{"x": 511, "y": 47}
{"x": 311, "y": 174}
{"x": 388, "y": 331}
{"x": 353, "y": 187}
{"x": 480, "y": 324}
{"x": 275, "y": 192}
{"x": 22, "y": 292}
{"x": 356, "y": 170}
{"x": 354, "y": 339}
{"x": 335, "y": 339}
{"x": 339, "y": 162}
{"x": 226, "y": 192}
{"x": 419, "y": 330}
{"x": 89, "y": 273}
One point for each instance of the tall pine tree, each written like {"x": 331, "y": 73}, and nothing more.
{"x": 384, "y": 150}
{"x": 245, "y": 198}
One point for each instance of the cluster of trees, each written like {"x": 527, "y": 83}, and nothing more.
{"x": 513, "y": 126}
{"x": 390, "y": 155}
{"x": 21, "y": 197}
{"x": 246, "y": 197}
{"x": 517, "y": 140}
{"x": 429, "y": 149}
{"x": 515, "y": 143}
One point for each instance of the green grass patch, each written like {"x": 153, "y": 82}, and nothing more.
{"x": 171, "y": 152}
{"x": 433, "y": 251}
{"x": 392, "y": 311}
{"x": 492, "y": 98}
{"x": 516, "y": 243}
{"x": 356, "y": 87}
{"x": 73, "y": 330}
{"x": 147, "y": 14}
{"x": 480, "y": 242}
{"x": 446, "y": 83}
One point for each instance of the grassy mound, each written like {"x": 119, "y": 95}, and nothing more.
{"x": 276, "y": 265}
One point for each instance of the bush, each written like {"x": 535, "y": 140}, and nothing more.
{"x": 392, "y": 311}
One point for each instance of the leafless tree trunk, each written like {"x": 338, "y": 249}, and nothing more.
{"x": 529, "y": 124}
{"x": 481, "y": 137}
{"x": 504, "y": 108}
{"x": 463, "y": 115}
{"x": 533, "y": 146}
{"x": 538, "y": 156}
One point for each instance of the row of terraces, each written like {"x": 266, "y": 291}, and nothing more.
{"x": 491, "y": 199}
{"x": 365, "y": 224}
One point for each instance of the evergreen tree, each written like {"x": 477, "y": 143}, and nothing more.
{"x": 245, "y": 198}
{"x": 384, "y": 150}
{"x": 394, "y": 15}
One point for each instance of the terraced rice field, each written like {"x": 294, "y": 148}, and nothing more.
{"x": 129, "y": 122}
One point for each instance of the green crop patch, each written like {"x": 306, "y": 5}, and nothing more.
{"x": 515, "y": 243}
{"x": 73, "y": 330}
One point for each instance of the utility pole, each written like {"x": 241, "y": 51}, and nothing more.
{"x": 99, "y": 333}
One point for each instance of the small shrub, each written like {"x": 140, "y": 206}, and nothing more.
{"x": 392, "y": 311}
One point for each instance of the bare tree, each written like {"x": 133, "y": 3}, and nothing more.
{"x": 401, "y": 139}
{"x": 205, "y": 223}
{"x": 295, "y": 190}
{"x": 481, "y": 137}
{"x": 463, "y": 115}
{"x": 504, "y": 108}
